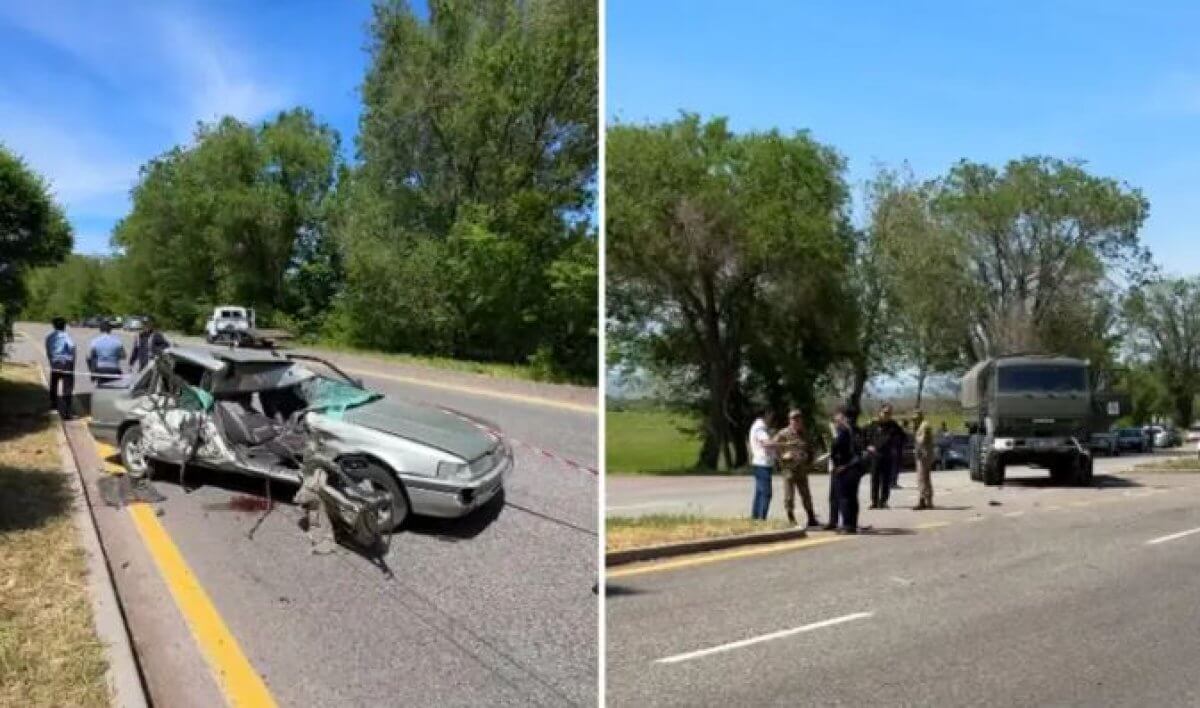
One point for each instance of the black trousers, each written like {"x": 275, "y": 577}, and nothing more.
{"x": 61, "y": 401}
{"x": 881, "y": 479}
{"x": 833, "y": 500}
{"x": 847, "y": 487}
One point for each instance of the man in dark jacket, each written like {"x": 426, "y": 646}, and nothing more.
{"x": 847, "y": 457}
{"x": 150, "y": 343}
{"x": 885, "y": 442}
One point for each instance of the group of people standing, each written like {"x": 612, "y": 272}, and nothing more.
{"x": 106, "y": 351}
{"x": 853, "y": 452}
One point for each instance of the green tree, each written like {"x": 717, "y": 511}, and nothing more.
{"x": 76, "y": 288}
{"x": 33, "y": 232}
{"x": 924, "y": 275}
{"x": 727, "y": 258}
{"x": 1164, "y": 323}
{"x": 469, "y": 213}
{"x": 1039, "y": 235}
{"x": 234, "y": 218}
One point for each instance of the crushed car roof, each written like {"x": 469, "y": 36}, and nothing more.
{"x": 214, "y": 358}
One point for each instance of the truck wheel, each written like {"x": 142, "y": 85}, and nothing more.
{"x": 1083, "y": 470}
{"x": 973, "y": 459}
{"x": 993, "y": 471}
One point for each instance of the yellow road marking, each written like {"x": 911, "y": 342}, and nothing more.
{"x": 239, "y": 682}
{"x": 717, "y": 556}
{"x": 933, "y": 525}
{"x": 532, "y": 400}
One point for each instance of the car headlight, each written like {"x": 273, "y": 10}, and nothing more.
{"x": 454, "y": 470}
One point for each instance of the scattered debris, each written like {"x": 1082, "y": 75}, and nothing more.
{"x": 119, "y": 491}
{"x": 993, "y": 502}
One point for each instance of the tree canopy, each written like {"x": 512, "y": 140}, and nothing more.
{"x": 1164, "y": 321}
{"x": 467, "y": 227}
{"x": 33, "y": 232}
{"x": 727, "y": 254}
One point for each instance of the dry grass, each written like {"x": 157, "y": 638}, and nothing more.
{"x": 633, "y": 532}
{"x": 49, "y": 652}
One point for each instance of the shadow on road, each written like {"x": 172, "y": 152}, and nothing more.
{"x": 884, "y": 531}
{"x": 611, "y": 590}
{"x": 1106, "y": 481}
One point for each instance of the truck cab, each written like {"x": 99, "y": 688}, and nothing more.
{"x": 229, "y": 324}
{"x": 1034, "y": 409}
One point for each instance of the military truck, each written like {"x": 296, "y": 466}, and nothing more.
{"x": 1037, "y": 410}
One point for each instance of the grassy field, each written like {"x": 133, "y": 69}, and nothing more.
{"x": 626, "y": 532}
{"x": 650, "y": 441}
{"x": 49, "y": 652}
{"x": 647, "y": 440}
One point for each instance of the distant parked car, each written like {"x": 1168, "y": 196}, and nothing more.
{"x": 1105, "y": 444}
{"x": 1132, "y": 440}
{"x": 92, "y": 322}
{"x": 1193, "y": 434}
{"x": 134, "y": 323}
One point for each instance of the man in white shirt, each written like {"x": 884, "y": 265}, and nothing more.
{"x": 762, "y": 462}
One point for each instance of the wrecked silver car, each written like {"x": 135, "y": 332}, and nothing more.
{"x": 264, "y": 413}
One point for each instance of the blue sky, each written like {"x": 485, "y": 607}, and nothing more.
{"x": 1115, "y": 84}
{"x": 92, "y": 90}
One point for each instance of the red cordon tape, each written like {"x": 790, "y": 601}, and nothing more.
{"x": 89, "y": 373}
{"x": 545, "y": 453}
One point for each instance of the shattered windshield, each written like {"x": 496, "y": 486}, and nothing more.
{"x": 332, "y": 397}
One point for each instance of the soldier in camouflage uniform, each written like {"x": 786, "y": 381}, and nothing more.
{"x": 794, "y": 455}
{"x": 923, "y": 449}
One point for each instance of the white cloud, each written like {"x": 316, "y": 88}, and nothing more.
{"x": 150, "y": 71}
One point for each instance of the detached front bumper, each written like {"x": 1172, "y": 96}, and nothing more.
{"x": 450, "y": 500}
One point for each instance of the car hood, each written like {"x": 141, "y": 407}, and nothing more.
{"x": 423, "y": 424}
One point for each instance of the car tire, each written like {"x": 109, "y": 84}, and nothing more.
{"x": 381, "y": 478}
{"x": 133, "y": 453}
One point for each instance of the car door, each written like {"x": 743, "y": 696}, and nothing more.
{"x": 175, "y": 412}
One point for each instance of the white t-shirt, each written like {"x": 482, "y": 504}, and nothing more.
{"x": 760, "y": 455}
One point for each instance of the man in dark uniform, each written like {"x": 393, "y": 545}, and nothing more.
{"x": 847, "y": 458}
{"x": 148, "y": 345}
{"x": 885, "y": 442}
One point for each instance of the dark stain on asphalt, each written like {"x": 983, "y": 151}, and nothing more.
{"x": 241, "y": 502}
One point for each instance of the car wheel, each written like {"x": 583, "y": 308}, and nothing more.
{"x": 133, "y": 453}
{"x": 374, "y": 477}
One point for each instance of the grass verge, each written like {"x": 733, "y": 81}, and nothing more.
{"x": 49, "y": 652}
{"x": 1179, "y": 464}
{"x": 625, "y": 532}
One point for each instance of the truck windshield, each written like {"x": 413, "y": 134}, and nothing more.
{"x": 233, "y": 314}
{"x": 1043, "y": 379}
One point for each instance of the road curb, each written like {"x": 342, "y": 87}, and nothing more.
{"x": 682, "y": 548}
{"x": 123, "y": 676}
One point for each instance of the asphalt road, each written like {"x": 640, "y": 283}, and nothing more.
{"x": 730, "y": 495}
{"x": 494, "y": 609}
{"x": 1025, "y": 595}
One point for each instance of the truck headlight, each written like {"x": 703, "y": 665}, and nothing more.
{"x": 454, "y": 470}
